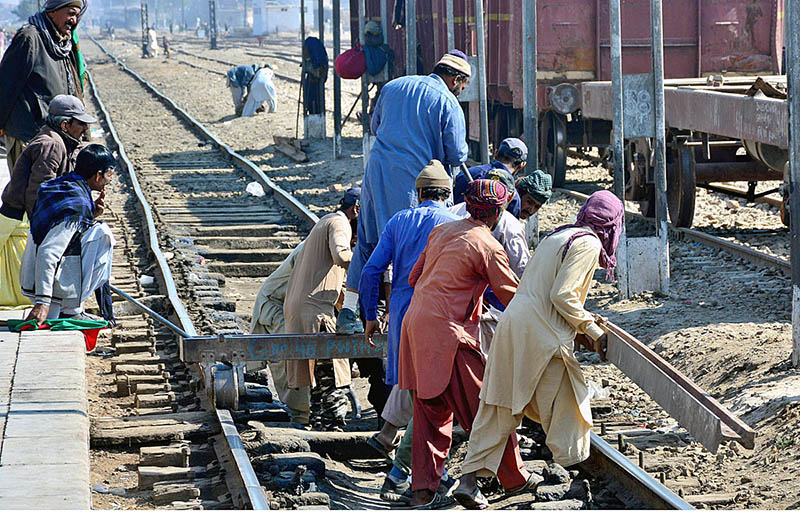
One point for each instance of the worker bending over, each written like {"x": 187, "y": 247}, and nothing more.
{"x": 531, "y": 369}
{"x": 313, "y": 289}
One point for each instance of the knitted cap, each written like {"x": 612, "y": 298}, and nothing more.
{"x": 457, "y": 63}
{"x": 433, "y": 175}
{"x": 538, "y": 184}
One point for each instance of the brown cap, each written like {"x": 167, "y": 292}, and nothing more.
{"x": 433, "y": 175}
{"x": 457, "y": 63}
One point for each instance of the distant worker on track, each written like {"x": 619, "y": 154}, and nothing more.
{"x": 313, "y": 290}
{"x": 238, "y": 81}
{"x": 531, "y": 369}
{"x": 152, "y": 43}
{"x": 417, "y": 119}
{"x": 42, "y": 62}
{"x": 50, "y": 154}
{"x": 69, "y": 254}
{"x": 268, "y": 318}
{"x": 261, "y": 89}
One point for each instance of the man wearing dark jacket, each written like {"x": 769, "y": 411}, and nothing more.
{"x": 41, "y": 63}
{"x": 50, "y": 154}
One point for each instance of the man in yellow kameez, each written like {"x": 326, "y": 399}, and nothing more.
{"x": 531, "y": 369}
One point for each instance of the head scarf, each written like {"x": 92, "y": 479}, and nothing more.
{"x": 485, "y": 199}
{"x": 604, "y": 213}
{"x": 538, "y": 184}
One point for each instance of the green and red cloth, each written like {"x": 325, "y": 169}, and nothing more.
{"x": 90, "y": 328}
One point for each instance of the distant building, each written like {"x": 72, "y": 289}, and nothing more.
{"x": 273, "y": 16}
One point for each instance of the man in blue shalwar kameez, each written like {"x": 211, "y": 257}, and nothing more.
{"x": 403, "y": 240}
{"x": 417, "y": 119}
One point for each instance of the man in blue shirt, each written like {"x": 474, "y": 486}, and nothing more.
{"x": 403, "y": 240}
{"x": 417, "y": 119}
{"x": 511, "y": 155}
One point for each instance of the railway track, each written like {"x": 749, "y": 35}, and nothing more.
{"x": 192, "y": 203}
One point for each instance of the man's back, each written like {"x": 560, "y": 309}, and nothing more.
{"x": 27, "y": 86}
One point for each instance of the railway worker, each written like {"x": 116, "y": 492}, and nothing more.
{"x": 511, "y": 155}
{"x": 401, "y": 243}
{"x": 268, "y": 319}
{"x": 531, "y": 370}
{"x": 41, "y": 63}
{"x": 417, "y": 119}
{"x": 49, "y": 155}
{"x": 440, "y": 357}
{"x": 69, "y": 254}
{"x": 238, "y": 81}
{"x": 314, "y": 287}
{"x": 262, "y": 89}
{"x": 152, "y": 42}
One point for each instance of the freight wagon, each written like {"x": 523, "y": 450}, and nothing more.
{"x": 702, "y": 38}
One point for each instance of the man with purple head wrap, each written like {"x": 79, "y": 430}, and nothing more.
{"x": 531, "y": 369}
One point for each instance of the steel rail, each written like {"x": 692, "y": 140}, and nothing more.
{"x": 607, "y": 463}
{"x": 741, "y": 251}
{"x": 298, "y": 208}
{"x": 240, "y": 471}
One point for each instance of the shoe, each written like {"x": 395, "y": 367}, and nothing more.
{"x": 86, "y": 317}
{"x": 439, "y": 501}
{"x": 447, "y": 485}
{"x": 396, "y": 494}
{"x": 348, "y": 322}
{"x": 376, "y": 445}
{"x": 471, "y": 501}
{"x": 530, "y": 486}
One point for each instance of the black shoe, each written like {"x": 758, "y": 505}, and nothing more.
{"x": 396, "y": 494}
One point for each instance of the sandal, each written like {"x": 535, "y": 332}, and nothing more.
{"x": 437, "y": 502}
{"x": 530, "y": 486}
{"x": 378, "y": 447}
{"x": 474, "y": 500}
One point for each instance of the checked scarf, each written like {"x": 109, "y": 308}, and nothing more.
{"x": 64, "y": 198}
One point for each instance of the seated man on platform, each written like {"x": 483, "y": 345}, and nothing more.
{"x": 68, "y": 255}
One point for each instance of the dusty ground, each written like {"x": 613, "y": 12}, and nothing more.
{"x": 724, "y": 323}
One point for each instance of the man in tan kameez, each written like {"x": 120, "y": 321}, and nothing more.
{"x": 531, "y": 369}
{"x": 268, "y": 319}
{"x": 314, "y": 288}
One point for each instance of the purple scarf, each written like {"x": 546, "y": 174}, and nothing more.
{"x": 604, "y": 214}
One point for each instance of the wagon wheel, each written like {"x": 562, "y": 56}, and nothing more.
{"x": 681, "y": 186}
{"x": 554, "y": 147}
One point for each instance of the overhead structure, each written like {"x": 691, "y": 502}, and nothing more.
{"x": 145, "y": 24}
{"x": 212, "y": 23}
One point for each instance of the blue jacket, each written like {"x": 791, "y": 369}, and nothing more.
{"x": 416, "y": 119}
{"x": 402, "y": 241}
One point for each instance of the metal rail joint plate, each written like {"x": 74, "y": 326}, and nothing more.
{"x": 698, "y": 412}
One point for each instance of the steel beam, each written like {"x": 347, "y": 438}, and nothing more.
{"x": 793, "y": 79}
{"x": 738, "y": 116}
{"x": 530, "y": 118}
{"x": 411, "y": 37}
{"x": 660, "y": 144}
{"x": 280, "y": 347}
{"x": 451, "y": 31}
{"x": 482, "y": 93}
{"x": 695, "y": 410}
{"x": 619, "y": 140}
{"x": 337, "y": 83}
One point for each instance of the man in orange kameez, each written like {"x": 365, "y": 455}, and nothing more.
{"x": 440, "y": 356}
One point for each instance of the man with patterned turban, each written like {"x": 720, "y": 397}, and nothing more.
{"x": 440, "y": 356}
{"x": 417, "y": 119}
{"x": 531, "y": 369}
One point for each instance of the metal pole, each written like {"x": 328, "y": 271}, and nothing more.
{"x": 244, "y": 21}
{"x": 321, "y": 22}
{"x": 793, "y": 79}
{"x": 362, "y": 21}
{"x": 659, "y": 147}
{"x": 530, "y": 119}
{"x": 411, "y": 37}
{"x": 337, "y": 84}
{"x": 302, "y": 21}
{"x": 212, "y": 23}
{"x": 619, "y": 139}
{"x": 451, "y": 30}
{"x": 144, "y": 27}
{"x": 484, "y": 113}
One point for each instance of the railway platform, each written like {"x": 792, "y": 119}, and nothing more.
{"x": 44, "y": 420}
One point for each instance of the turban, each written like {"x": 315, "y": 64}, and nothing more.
{"x": 485, "y": 198}
{"x": 433, "y": 175}
{"x": 604, "y": 213}
{"x": 539, "y": 184}
{"x": 456, "y": 63}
